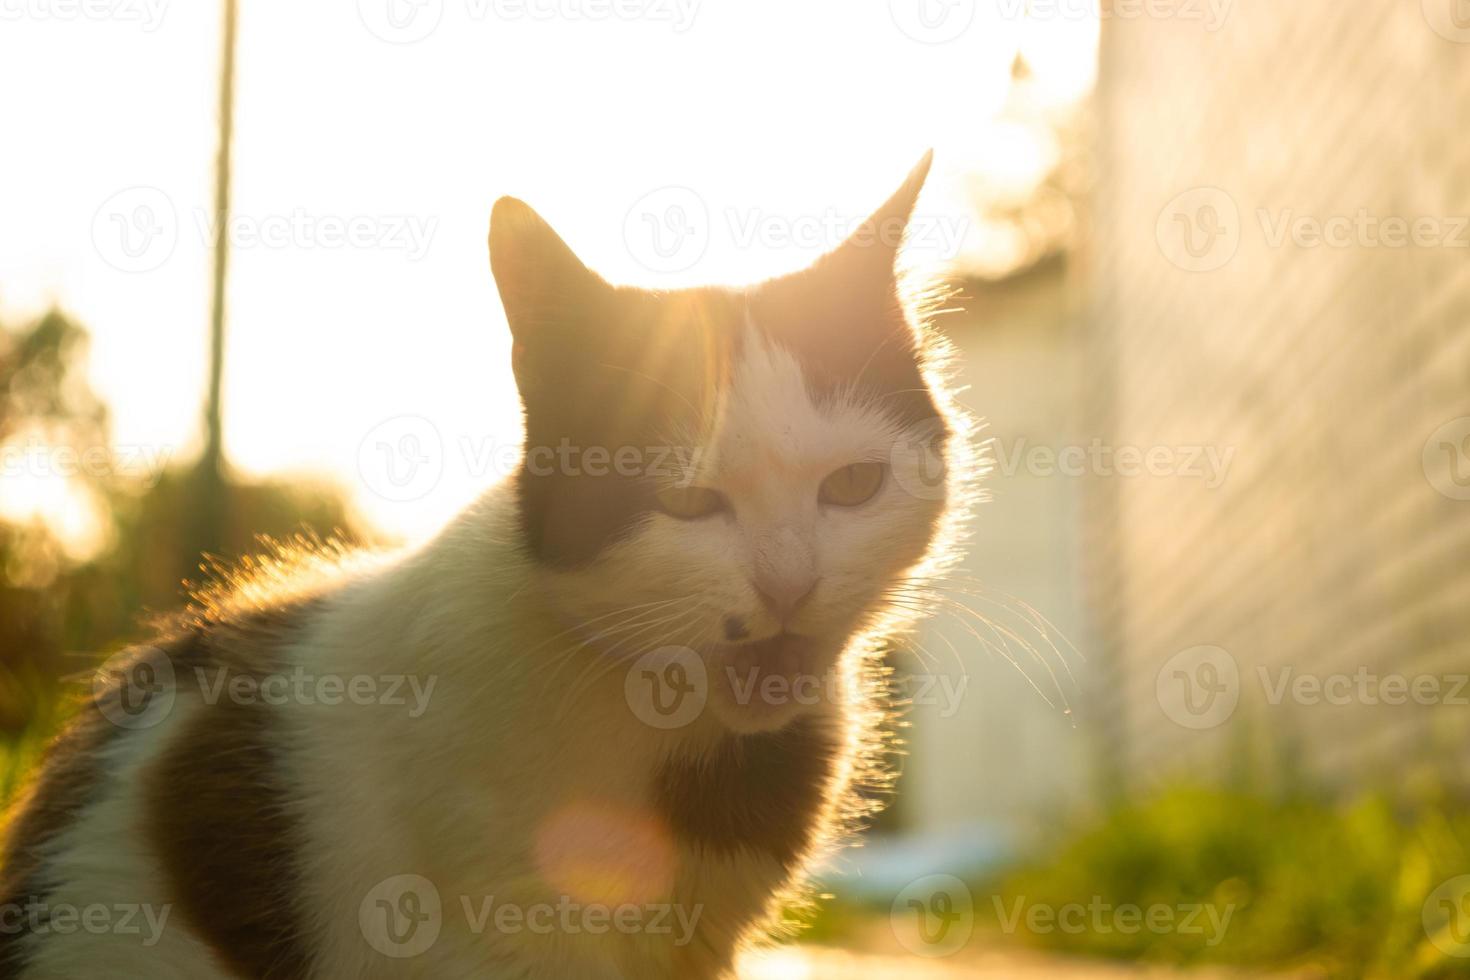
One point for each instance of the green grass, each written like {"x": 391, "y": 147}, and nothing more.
{"x": 1310, "y": 887}
{"x": 1306, "y": 883}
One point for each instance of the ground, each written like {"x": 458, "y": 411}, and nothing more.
{"x": 816, "y": 963}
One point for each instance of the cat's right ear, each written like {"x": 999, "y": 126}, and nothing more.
{"x": 547, "y": 292}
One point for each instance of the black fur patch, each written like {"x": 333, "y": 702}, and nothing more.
{"x": 758, "y": 793}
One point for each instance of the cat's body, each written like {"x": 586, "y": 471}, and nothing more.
{"x": 567, "y": 737}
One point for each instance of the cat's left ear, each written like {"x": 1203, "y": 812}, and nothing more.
{"x": 550, "y": 297}
{"x": 871, "y": 251}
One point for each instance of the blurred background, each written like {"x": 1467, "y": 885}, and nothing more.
{"x": 1201, "y": 706}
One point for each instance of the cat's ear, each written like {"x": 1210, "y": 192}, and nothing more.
{"x": 546, "y": 290}
{"x": 870, "y": 253}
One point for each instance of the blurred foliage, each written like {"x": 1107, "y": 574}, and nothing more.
{"x": 1327, "y": 889}
{"x": 62, "y": 609}
{"x": 1312, "y": 887}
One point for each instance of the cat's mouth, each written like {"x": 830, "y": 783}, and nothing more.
{"x": 779, "y": 655}
{"x": 761, "y": 685}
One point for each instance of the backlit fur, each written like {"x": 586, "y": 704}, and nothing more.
{"x": 530, "y": 778}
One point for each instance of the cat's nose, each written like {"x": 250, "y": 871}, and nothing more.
{"x": 782, "y": 594}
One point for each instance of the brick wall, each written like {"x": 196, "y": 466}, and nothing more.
{"x": 1336, "y": 542}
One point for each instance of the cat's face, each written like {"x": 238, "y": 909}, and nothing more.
{"x": 740, "y": 473}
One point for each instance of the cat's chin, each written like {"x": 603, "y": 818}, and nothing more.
{"x": 764, "y": 686}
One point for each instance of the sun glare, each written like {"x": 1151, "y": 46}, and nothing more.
{"x": 361, "y": 313}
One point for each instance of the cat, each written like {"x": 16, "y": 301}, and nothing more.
{"x": 601, "y": 725}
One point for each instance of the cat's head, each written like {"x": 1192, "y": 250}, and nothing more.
{"x": 742, "y": 473}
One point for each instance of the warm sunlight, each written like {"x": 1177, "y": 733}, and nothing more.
{"x": 735, "y": 489}
{"x": 358, "y": 283}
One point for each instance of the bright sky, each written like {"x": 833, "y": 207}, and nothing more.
{"x": 371, "y": 139}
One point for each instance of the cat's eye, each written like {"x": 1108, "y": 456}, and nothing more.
{"x": 852, "y": 485}
{"x": 687, "y": 503}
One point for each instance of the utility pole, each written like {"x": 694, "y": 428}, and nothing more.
{"x": 211, "y": 504}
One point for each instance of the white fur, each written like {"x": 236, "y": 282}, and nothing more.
{"x": 528, "y": 744}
